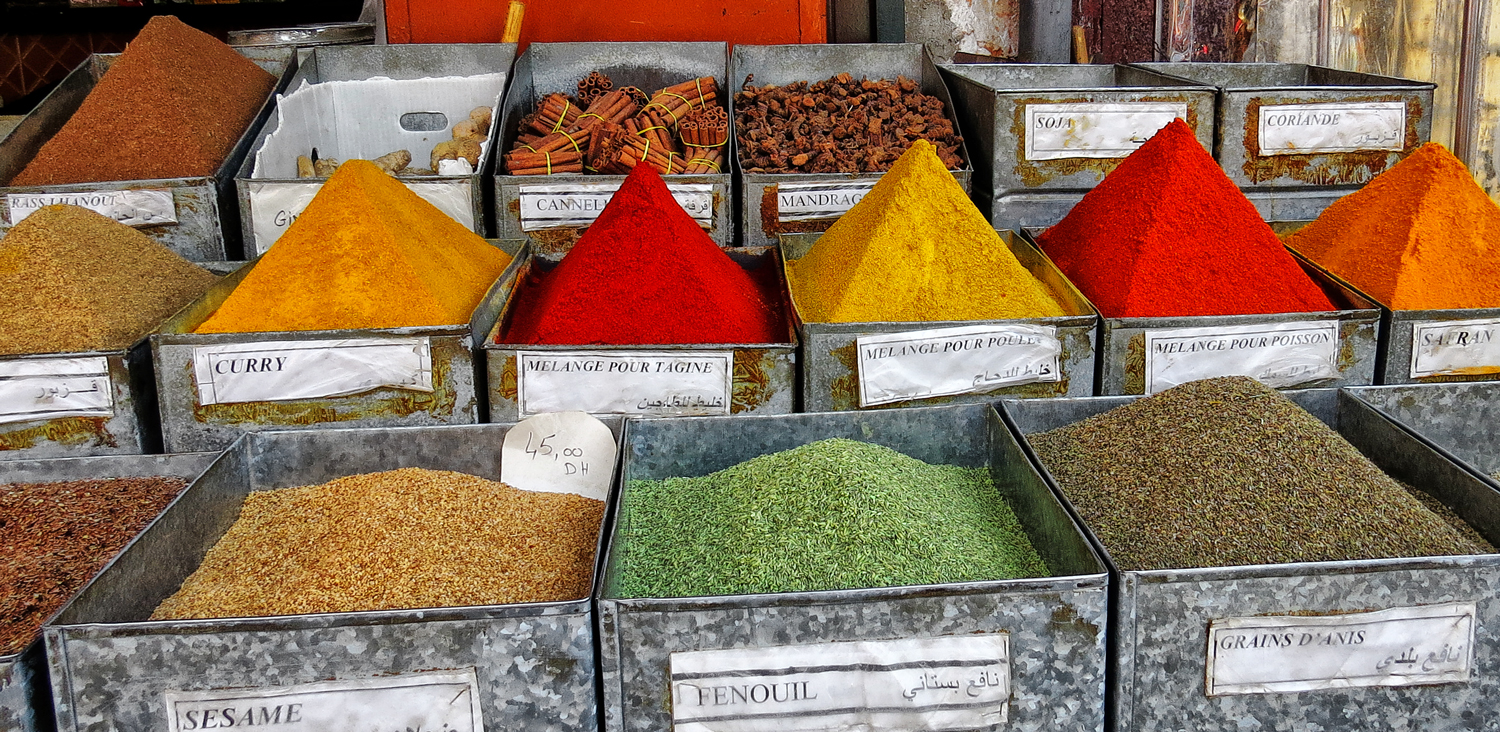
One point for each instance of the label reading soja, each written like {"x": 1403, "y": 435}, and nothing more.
{"x": 1095, "y": 130}
{"x": 443, "y": 700}
{"x": 1455, "y": 348}
{"x": 1302, "y": 129}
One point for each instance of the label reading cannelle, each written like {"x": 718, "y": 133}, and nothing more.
{"x": 929, "y": 684}
{"x": 1409, "y": 646}
{"x": 274, "y": 206}
{"x": 446, "y": 701}
{"x": 1455, "y": 348}
{"x": 917, "y": 364}
{"x": 139, "y": 207}
{"x": 51, "y": 388}
{"x": 1279, "y": 355}
{"x": 638, "y": 383}
{"x": 1302, "y": 129}
{"x": 578, "y": 204}
{"x": 1095, "y": 130}
{"x": 272, "y": 371}
{"x": 817, "y": 201}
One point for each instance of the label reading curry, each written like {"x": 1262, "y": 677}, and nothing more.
{"x": 918, "y": 364}
{"x": 52, "y": 388}
{"x": 1095, "y": 129}
{"x": 635, "y": 383}
{"x": 272, "y": 371}
{"x": 439, "y": 700}
{"x": 1279, "y": 355}
{"x": 1455, "y": 348}
{"x": 1304, "y": 129}
{"x": 576, "y": 205}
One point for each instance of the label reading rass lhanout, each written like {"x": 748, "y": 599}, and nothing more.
{"x": 271, "y": 371}
{"x": 1279, "y": 355}
{"x": 637, "y": 383}
{"x": 139, "y": 207}
{"x": 917, "y": 364}
{"x": 928, "y": 684}
{"x": 1302, "y": 129}
{"x": 1455, "y": 348}
{"x": 1095, "y": 130}
{"x": 441, "y": 700}
{"x": 818, "y": 201}
{"x": 51, "y": 388}
{"x": 1411, "y": 646}
{"x": 578, "y": 204}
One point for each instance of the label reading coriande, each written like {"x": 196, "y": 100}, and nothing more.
{"x": 1409, "y": 646}
{"x": 138, "y": 207}
{"x": 1302, "y": 129}
{"x": 817, "y": 201}
{"x": 272, "y": 371}
{"x": 1455, "y": 348}
{"x": 1279, "y": 355}
{"x": 1095, "y": 130}
{"x": 930, "y": 684}
{"x": 50, "y": 388}
{"x": 917, "y": 364}
{"x": 578, "y": 204}
{"x": 637, "y": 383}
{"x": 438, "y": 701}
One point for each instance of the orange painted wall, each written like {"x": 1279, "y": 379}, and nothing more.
{"x": 481, "y": 21}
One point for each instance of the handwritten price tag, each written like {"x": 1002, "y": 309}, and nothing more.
{"x": 559, "y": 452}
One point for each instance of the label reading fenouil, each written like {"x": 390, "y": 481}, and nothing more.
{"x": 1455, "y": 348}
{"x": 50, "y": 388}
{"x": 578, "y": 204}
{"x": 446, "y": 701}
{"x": 917, "y": 364}
{"x": 1302, "y": 129}
{"x": 1095, "y": 129}
{"x": 816, "y": 201}
{"x": 272, "y": 371}
{"x": 928, "y": 684}
{"x": 635, "y": 383}
{"x": 1408, "y": 646}
{"x": 140, "y": 207}
{"x": 559, "y": 452}
{"x": 1279, "y": 355}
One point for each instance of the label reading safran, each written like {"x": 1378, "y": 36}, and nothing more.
{"x": 1095, "y": 130}
{"x": 1279, "y": 355}
{"x": 929, "y": 684}
{"x": 1304, "y": 129}
{"x": 578, "y": 204}
{"x": 1455, "y": 348}
{"x": 1408, "y": 646}
{"x": 272, "y": 371}
{"x": 444, "y": 700}
{"x": 918, "y": 364}
{"x": 816, "y": 201}
{"x": 51, "y": 388}
{"x": 138, "y": 207}
{"x": 636, "y": 383}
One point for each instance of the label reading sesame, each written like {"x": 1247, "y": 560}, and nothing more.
{"x": 1095, "y": 129}
{"x": 559, "y": 452}
{"x": 136, "y": 207}
{"x": 441, "y": 700}
{"x": 632, "y": 383}
{"x": 1279, "y": 355}
{"x": 272, "y": 371}
{"x": 918, "y": 364}
{"x": 1303, "y": 129}
{"x": 578, "y": 204}
{"x": 1455, "y": 348}
{"x": 51, "y": 388}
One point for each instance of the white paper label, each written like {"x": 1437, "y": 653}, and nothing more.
{"x": 635, "y": 383}
{"x": 917, "y": 364}
{"x": 949, "y": 683}
{"x": 274, "y": 206}
{"x": 578, "y": 204}
{"x": 1279, "y": 355}
{"x": 1095, "y": 130}
{"x": 139, "y": 207}
{"x": 50, "y": 388}
{"x": 1410, "y": 646}
{"x": 816, "y": 201}
{"x": 446, "y": 701}
{"x": 1301, "y": 129}
{"x": 274, "y": 371}
{"x": 1455, "y": 347}
{"x": 559, "y": 452}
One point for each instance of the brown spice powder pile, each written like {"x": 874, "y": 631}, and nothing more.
{"x": 54, "y": 537}
{"x": 171, "y": 106}
{"x": 408, "y": 538}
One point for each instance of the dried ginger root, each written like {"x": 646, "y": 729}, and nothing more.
{"x": 305, "y": 167}
{"x": 466, "y": 148}
{"x": 393, "y": 162}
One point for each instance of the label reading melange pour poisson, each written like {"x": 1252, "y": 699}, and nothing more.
{"x": 137, "y": 207}
{"x": 51, "y": 388}
{"x": 918, "y": 364}
{"x": 271, "y": 371}
{"x": 578, "y": 204}
{"x": 1095, "y": 129}
{"x": 1410, "y": 646}
{"x": 635, "y": 383}
{"x": 1279, "y": 355}
{"x": 927, "y": 684}
{"x": 818, "y": 201}
{"x": 1455, "y": 347}
{"x": 1304, "y": 129}
{"x": 442, "y": 700}
{"x": 274, "y": 206}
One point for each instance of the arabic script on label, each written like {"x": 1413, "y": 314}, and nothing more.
{"x": 51, "y": 388}
{"x": 636, "y": 383}
{"x": 1279, "y": 355}
{"x": 918, "y": 364}
{"x": 136, "y": 207}
{"x": 1301, "y": 129}
{"x": 1095, "y": 130}
{"x": 442, "y": 700}
{"x": 271, "y": 371}
{"x": 1455, "y": 348}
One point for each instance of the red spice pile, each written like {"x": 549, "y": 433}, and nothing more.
{"x": 1167, "y": 234}
{"x": 644, "y": 273}
{"x": 171, "y": 106}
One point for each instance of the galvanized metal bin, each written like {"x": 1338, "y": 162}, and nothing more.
{"x": 762, "y": 194}
{"x": 267, "y": 205}
{"x": 553, "y": 210}
{"x": 114, "y": 669}
{"x": 1327, "y": 131}
{"x": 25, "y": 692}
{"x": 1461, "y": 421}
{"x": 1027, "y": 125}
{"x": 1055, "y": 624}
{"x": 1159, "y": 620}
{"x": 831, "y": 358}
{"x": 206, "y": 226}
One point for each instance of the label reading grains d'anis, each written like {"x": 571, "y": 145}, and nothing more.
{"x": 51, "y": 388}
{"x": 1455, "y": 348}
{"x": 1279, "y": 355}
{"x": 270, "y": 371}
{"x": 137, "y": 207}
{"x": 443, "y": 700}
{"x": 1304, "y": 129}
{"x": 635, "y": 383}
{"x": 578, "y": 204}
{"x": 1095, "y": 129}
{"x": 895, "y": 367}
{"x": 818, "y": 201}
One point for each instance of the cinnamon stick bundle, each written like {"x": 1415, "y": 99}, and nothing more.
{"x": 593, "y": 86}
{"x": 678, "y": 101}
{"x": 613, "y": 107}
{"x": 555, "y": 113}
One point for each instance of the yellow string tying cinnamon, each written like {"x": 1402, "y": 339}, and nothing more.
{"x": 704, "y": 161}
{"x": 575, "y": 142}
{"x": 559, "y": 126}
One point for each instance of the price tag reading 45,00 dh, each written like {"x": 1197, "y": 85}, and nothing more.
{"x": 559, "y": 452}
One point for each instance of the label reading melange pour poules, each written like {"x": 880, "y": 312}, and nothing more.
{"x": 1409, "y": 646}
{"x": 1455, "y": 348}
{"x": 637, "y": 383}
{"x": 917, "y": 364}
{"x": 578, "y": 204}
{"x": 139, "y": 207}
{"x": 1304, "y": 129}
{"x": 51, "y": 388}
{"x": 928, "y": 684}
{"x": 817, "y": 201}
{"x": 1279, "y": 355}
{"x": 441, "y": 701}
{"x": 271, "y": 371}
{"x": 1095, "y": 130}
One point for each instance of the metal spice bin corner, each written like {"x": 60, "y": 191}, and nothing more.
{"x": 761, "y": 219}
{"x": 206, "y": 228}
{"x": 547, "y": 68}
{"x": 533, "y": 662}
{"x": 1160, "y": 619}
{"x": 830, "y": 364}
{"x": 1055, "y": 624}
{"x": 1461, "y": 421}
